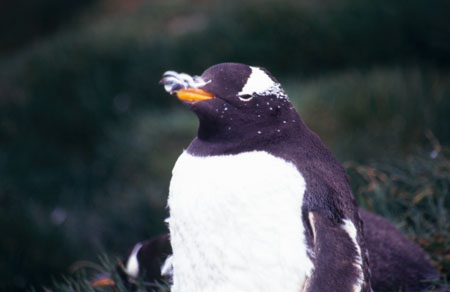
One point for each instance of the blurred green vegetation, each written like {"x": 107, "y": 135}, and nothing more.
{"x": 372, "y": 113}
{"x": 82, "y": 276}
{"x": 413, "y": 193}
{"x": 88, "y": 137}
{"x": 26, "y": 21}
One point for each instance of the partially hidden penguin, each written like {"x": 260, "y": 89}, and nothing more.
{"x": 258, "y": 203}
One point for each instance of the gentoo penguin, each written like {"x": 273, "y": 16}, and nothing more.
{"x": 146, "y": 260}
{"x": 257, "y": 202}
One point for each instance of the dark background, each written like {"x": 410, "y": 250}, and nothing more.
{"x": 88, "y": 137}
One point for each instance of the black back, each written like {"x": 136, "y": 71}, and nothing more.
{"x": 266, "y": 121}
{"x": 270, "y": 123}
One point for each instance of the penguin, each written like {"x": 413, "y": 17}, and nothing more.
{"x": 148, "y": 261}
{"x": 149, "y": 258}
{"x": 257, "y": 202}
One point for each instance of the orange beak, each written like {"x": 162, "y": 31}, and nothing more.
{"x": 193, "y": 94}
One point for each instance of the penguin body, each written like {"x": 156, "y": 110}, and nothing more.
{"x": 396, "y": 263}
{"x": 258, "y": 203}
{"x": 147, "y": 258}
{"x": 247, "y": 125}
{"x": 225, "y": 213}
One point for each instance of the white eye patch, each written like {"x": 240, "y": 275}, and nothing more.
{"x": 261, "y": 84}
{"x": 257, "y": 82}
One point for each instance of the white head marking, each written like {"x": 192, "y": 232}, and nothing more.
{"x": 259, "y": 82}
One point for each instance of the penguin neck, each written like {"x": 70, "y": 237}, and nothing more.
{"x": 221, "y": 138}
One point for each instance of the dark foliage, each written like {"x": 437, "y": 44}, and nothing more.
{"x": 415, "y": 194}
{"x": 26, "y": 21}
{"x": 88, "y": 138}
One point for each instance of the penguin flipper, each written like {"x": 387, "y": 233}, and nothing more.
{"x": 336, "y": 256}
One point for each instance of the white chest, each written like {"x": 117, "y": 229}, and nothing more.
{"x": 235, "y": 224}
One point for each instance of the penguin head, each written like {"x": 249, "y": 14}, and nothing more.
{"x": 232, "y": 98}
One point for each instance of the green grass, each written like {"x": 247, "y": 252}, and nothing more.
{"x": 84, "y": 272}
{"x": 414, "y": 194}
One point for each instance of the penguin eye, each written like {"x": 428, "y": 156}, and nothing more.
{"x": 246, "y": 97}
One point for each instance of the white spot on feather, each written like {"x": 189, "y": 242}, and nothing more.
{"x": 350, "y": 228}
{"x": 132, "y": 267}
{"x": 312, "y": 222}
{"x": 167, "y": 267}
